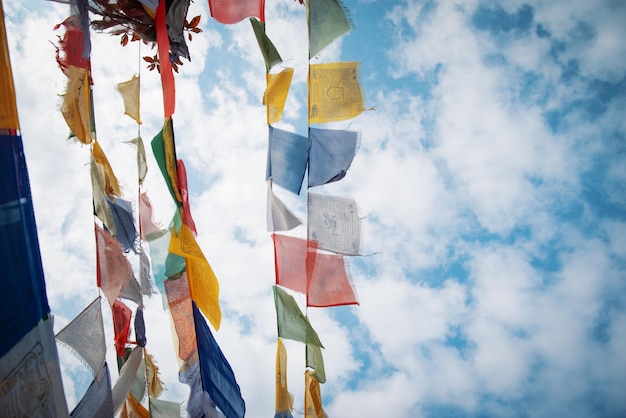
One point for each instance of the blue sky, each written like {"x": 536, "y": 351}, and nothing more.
{"x": 491, "y": 178}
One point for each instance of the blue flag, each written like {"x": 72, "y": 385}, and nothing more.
{"x": 332, "y": 152}
{"x": 287, "y": 157}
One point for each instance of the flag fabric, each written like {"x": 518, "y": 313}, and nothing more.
{"x": 218, "y": 379}
{"x": 138, "y": 390}
{"x": 284, "y": 399}
{"x": 328, "y": 19}
{"x": 312, "y": 397}
{"x": 199, "y": 402}
{"x": 147, "y": 228}
{"x": 293, "y": 259}
{"x": 97, "y": 400}
{"x": 331, "y": 154}
{"x": 268, "y": 50}
{"x": 30, "y": 377}
{"x": 279, "y": 217}
{"x": 111, "y": 184}
{"x": 153, "y": 379}
{"x": 163, "y": 409}
{"x": 8, "y": 104}
{"x": 287, "y": 159}
{"x": 179, "y": 302}
{"x": 203, "y": 285}
{"x": 113, "y": 269}
{"x": 292, "y": 324}
{"x": 233, "y": 11}
{"x": 131, "y": 291}
{"x": 76, "y": 104}
{"x": 140, "y": 327}
{"x": 276, "y": 93}
{"x": 124, "y": 382}
{"x": 144, "y": 274}
{"x": 100, "y": 206}
{"x": 315, "y": 361}
{"x": 329, "y": 282}
{"x": 184, "y": 194}
{"x": 165, "y": 155}
{"x": 129, "y": 90}
{"x": 84, "y": 335}
{"x": 334, "y": 92}
{"x": 121, "y": 324}
{"x": 165, "y": 66}
{"x": 164, "y": 263}
{"x": 142, "y": 163}
{"x": 122, "y": 214}
{"x": 334, "y": 223}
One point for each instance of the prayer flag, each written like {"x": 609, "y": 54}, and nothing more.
{"x": 126, "y": 378}
{"x": 284, "y": 399}
{"x": 138, "y": 391}
{"x": 84, "y": 335}
{"x": 233, "y": 11}
{"x": 334, "y": 92}
{"x": 179, "y": 302}
{"x": 334, "y": 223}
{"x": 111, "y": 185}
{"x": 76, "y": 104}
{"x": 8, "y": 105}
{"x": 275, "y": 94}
{"x": 184, "y": 194}
{"x": 218, "y": 379}
{"x": 165, "y": 66}
{"x": 292, "y": 324}
{"x": 165, "y": 155}
{"x": 132, "y": 291}
{"x": 155, "y": 386}
{"x": 270, "y": 54}
{"x": 315, "y": 361}
{"x": 140, "y": 327}
{"x": 121, "y": 324}
{"x": 113, "y": 270}
{"x": 312, "y": 397}
{"x": 133, "y": 409}
{"x": 287, "y": 159}
{"x": 203, "y": 285}
{"x": 100, "y": 206}
{"x": 122, "y": 214}
{"x": 144, "y": 273}
{"x": 97, "y": 401}
{"x": 293, "y": 258}
{"x": 199, "y": 402}
{"x": 279, "y": 217}
{"x": 332, "y": 152}
{"x": 163, "y": 409}
{"x": 328, "y": 19}
{"x": 147, "y": 228}
{"x": 329, "y": 283}
{"x": 30, "y": 377}
{"x": 130, "y": 94}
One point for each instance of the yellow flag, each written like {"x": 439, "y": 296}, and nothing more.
{"x": 276, "y": 94}
{"x": 130, "y": 94}
{"x": 8, "y": 107}
{"x": 334, "y": 92}
{"x": 111, "y": 185}
{"x": 155, "y": 386}
{"x": 203, "y": 285}
{"x": 312, "y": 397}
{"x": 76, "y": 107}
{"x": 284, "y": 399}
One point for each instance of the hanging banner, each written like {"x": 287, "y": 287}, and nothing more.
{"x": 334, "y": 92}
{"x": 315, "y": 361}
{"x": 328, "y": 19}
{"x": 334, "y": 223}
{"x": 76, "y": 104}
{"x": 287, "y": 159}
{"x": 331, "y": 154}
{"x": 229, "y": 11}
{"x": 165, "y": 66}
{"x": 164, "y": 152}
{"x": 121, "y": 324}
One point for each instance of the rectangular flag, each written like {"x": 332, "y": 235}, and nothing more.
{"x": 233, "y": 11}
{"x": 334, "y": 223}
{"x": 276, "y": 93}
{"x": 284, "y": 399}
{"x": 292, "y": 323}
{"x": 334, "y": 92}
{"x": 287, "y": 157}
{"x": 331, "y": 154}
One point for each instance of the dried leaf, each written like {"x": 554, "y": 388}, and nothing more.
{"x": 194, "y": 22}
{"x": 124, "y": 40}
{"x": 196, "y": 30}
{"x": 189, "y": 36}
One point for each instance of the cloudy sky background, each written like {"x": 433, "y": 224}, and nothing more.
{"x": 491, "y": 176}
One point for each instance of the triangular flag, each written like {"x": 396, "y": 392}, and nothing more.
{"x": 279, "y": 217}
{"x": 287, "y": 159}
{"x": 155, "y": 386}
{"x": 292, "y": 324}
{"x": 329, "y": 283}
{"x": 276, "y": 93}
{"x": 218, "y": 379}
{"x": 331, "y": 154}
{"x": 328, "y": 19}
{"x": 270, "y": 54}
{"x": 130, "y": 94}
{"x": 229, "y": 11}
{"x": 284, "y": 399}
{"x": 334, "y": 223}
{"x": 334, "y": 92}
{"x": 85, "y": 336}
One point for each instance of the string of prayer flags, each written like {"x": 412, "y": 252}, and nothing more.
{"x": 97, "y": 400}
{"x": 125, "y": 231}
{"x": 179, "y": 302}
{"x": 312, "y": 397}
{"x": 129, "y": 90}
{"x": 165, "y": 155}
{"x": 268, "y": 50}
{"x": 284, "y": 399}
{"x": 329, "y": 283}
{"x": 218, "y": 379}
{"x": 292, "y": 323}
{"x": 275, "y": 94}
{"x": 328, "y": 19}
{"x": 163, "y": 409}
{"x": 279, "y": 217}
{"x": 315, "y": 361}
{"x": 113, "y": 270}
{"x": 203, "y": 285}
{"x": 165, "y": 66}
{"x": 121, "y": 324}
{"x": 287, "y": 159}
{"x": 229, "y": 11}
{"x": 331, "y": 154}
{"x": 334, "y": 92}
{"x": 334, "y": 223}
{"x": 84, "y": 335}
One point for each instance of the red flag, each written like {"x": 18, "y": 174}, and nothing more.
{"x": 233, "y": 11}
{"x": 121, "y": 325}
{"x": 290, "y": 258}
{"x": 165, "y": 66}
{"x": 329, "y": 282}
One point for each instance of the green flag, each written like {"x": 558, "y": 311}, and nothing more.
{"x": 292, "y": 324}
{"x": 315, "y": 361}
{"x": 327, "y": 21}
{"x": 270, "y": 54}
